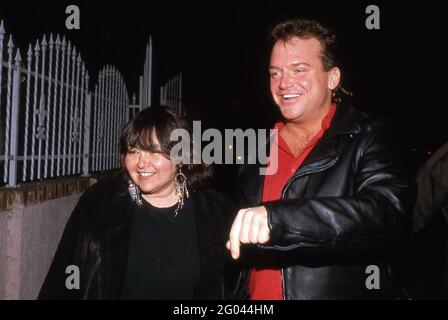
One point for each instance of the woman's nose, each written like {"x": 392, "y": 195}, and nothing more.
{"x": 144, "y": 159}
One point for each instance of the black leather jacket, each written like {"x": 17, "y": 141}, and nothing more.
{"x": 345, "y": 208}
{"x": 96, "y": 239}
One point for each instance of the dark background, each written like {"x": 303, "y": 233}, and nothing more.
{"x": 398, "y": 71}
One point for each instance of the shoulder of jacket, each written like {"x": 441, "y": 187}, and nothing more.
{"x": 97, "y": 199}
{"x": 378, "y": 132}
{"x": 371, "y": 124}
{"x": 105, "y": 188}
{"x": 98, "y": 190}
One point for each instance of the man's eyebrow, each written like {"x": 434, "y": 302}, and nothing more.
{"x": 296, "y": 64}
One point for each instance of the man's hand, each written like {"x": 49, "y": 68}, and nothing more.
{"x": 250, "y": 226}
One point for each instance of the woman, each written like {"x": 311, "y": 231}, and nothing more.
{"x": 155, "y": 232}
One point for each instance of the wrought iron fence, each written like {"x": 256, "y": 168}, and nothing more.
{"x": 171, "y": 93}
{"x": 48, "y": 117}
{"x": 110, "y": 114}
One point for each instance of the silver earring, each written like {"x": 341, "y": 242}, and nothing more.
{"x": 134, "y": 193}
{"x": 181, "y": 190}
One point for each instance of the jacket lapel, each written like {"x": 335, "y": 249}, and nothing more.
{"x": 328, "y": 150}
{"x": 320, "y": 158}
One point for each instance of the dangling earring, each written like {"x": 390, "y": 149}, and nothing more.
{"x": 134, "y": 193}
{"x": 181, "y": 190}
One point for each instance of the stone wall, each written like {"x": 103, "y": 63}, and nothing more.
{"x": 32, "y": 219}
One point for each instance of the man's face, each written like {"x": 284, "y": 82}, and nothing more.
{"x": 299, "y": 85}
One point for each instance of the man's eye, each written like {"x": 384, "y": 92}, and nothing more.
{"x": 275, "y": 75}
{"x": 299, "y": 70}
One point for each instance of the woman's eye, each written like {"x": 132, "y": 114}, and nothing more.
{"x": 155, "y": 151}
{"x": 132, "y": 151}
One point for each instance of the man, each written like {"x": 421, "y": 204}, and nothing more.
{"x": 325, "y": 222}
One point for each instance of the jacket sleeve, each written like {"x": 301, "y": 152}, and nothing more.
{"x": 374, "y": 214}
{"x": 69, "y": 253}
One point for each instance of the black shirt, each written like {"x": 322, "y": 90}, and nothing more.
{"x": 163, "y": 260}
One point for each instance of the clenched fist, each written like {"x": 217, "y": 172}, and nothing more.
{"x": 250, "y": 226}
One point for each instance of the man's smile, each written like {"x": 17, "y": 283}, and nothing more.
{"x": 291, "y": 96}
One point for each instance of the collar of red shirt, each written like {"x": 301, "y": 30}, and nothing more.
{"x": 326, "y": 122}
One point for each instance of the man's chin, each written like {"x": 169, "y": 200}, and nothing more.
{"x": 291, "y": 116}
{"x": 291, "y": 112}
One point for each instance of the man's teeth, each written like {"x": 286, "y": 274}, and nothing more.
{"x": 145, "y": 174}
{"x": 291, "y": 96}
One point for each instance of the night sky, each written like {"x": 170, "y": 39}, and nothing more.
{"x": 398, "y": 71}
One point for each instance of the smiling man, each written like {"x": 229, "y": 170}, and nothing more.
{"x": 339, "y": 201}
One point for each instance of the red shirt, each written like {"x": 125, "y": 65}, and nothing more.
{"x": 265, "y": 284}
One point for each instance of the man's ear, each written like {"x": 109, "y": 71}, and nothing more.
{"x": 334, "y": 77}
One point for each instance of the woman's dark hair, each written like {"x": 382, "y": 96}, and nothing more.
{"x": 161, "y": 122}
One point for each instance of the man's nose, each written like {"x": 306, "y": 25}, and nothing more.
{"x": 285, "y": 81}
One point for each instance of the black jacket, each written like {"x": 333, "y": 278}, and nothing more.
{"x": 345, "y": 208}
{"x": 96, "y": 239}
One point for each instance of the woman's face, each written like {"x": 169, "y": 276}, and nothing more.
{"x": 152, "y": 172}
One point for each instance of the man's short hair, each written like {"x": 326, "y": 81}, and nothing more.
{"x": 306, "y": 29}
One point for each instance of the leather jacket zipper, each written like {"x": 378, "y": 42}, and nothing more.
{"x": 317, "y": 170}
{"x": 283, "y": 283}
{"x": 290, "y": 181}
